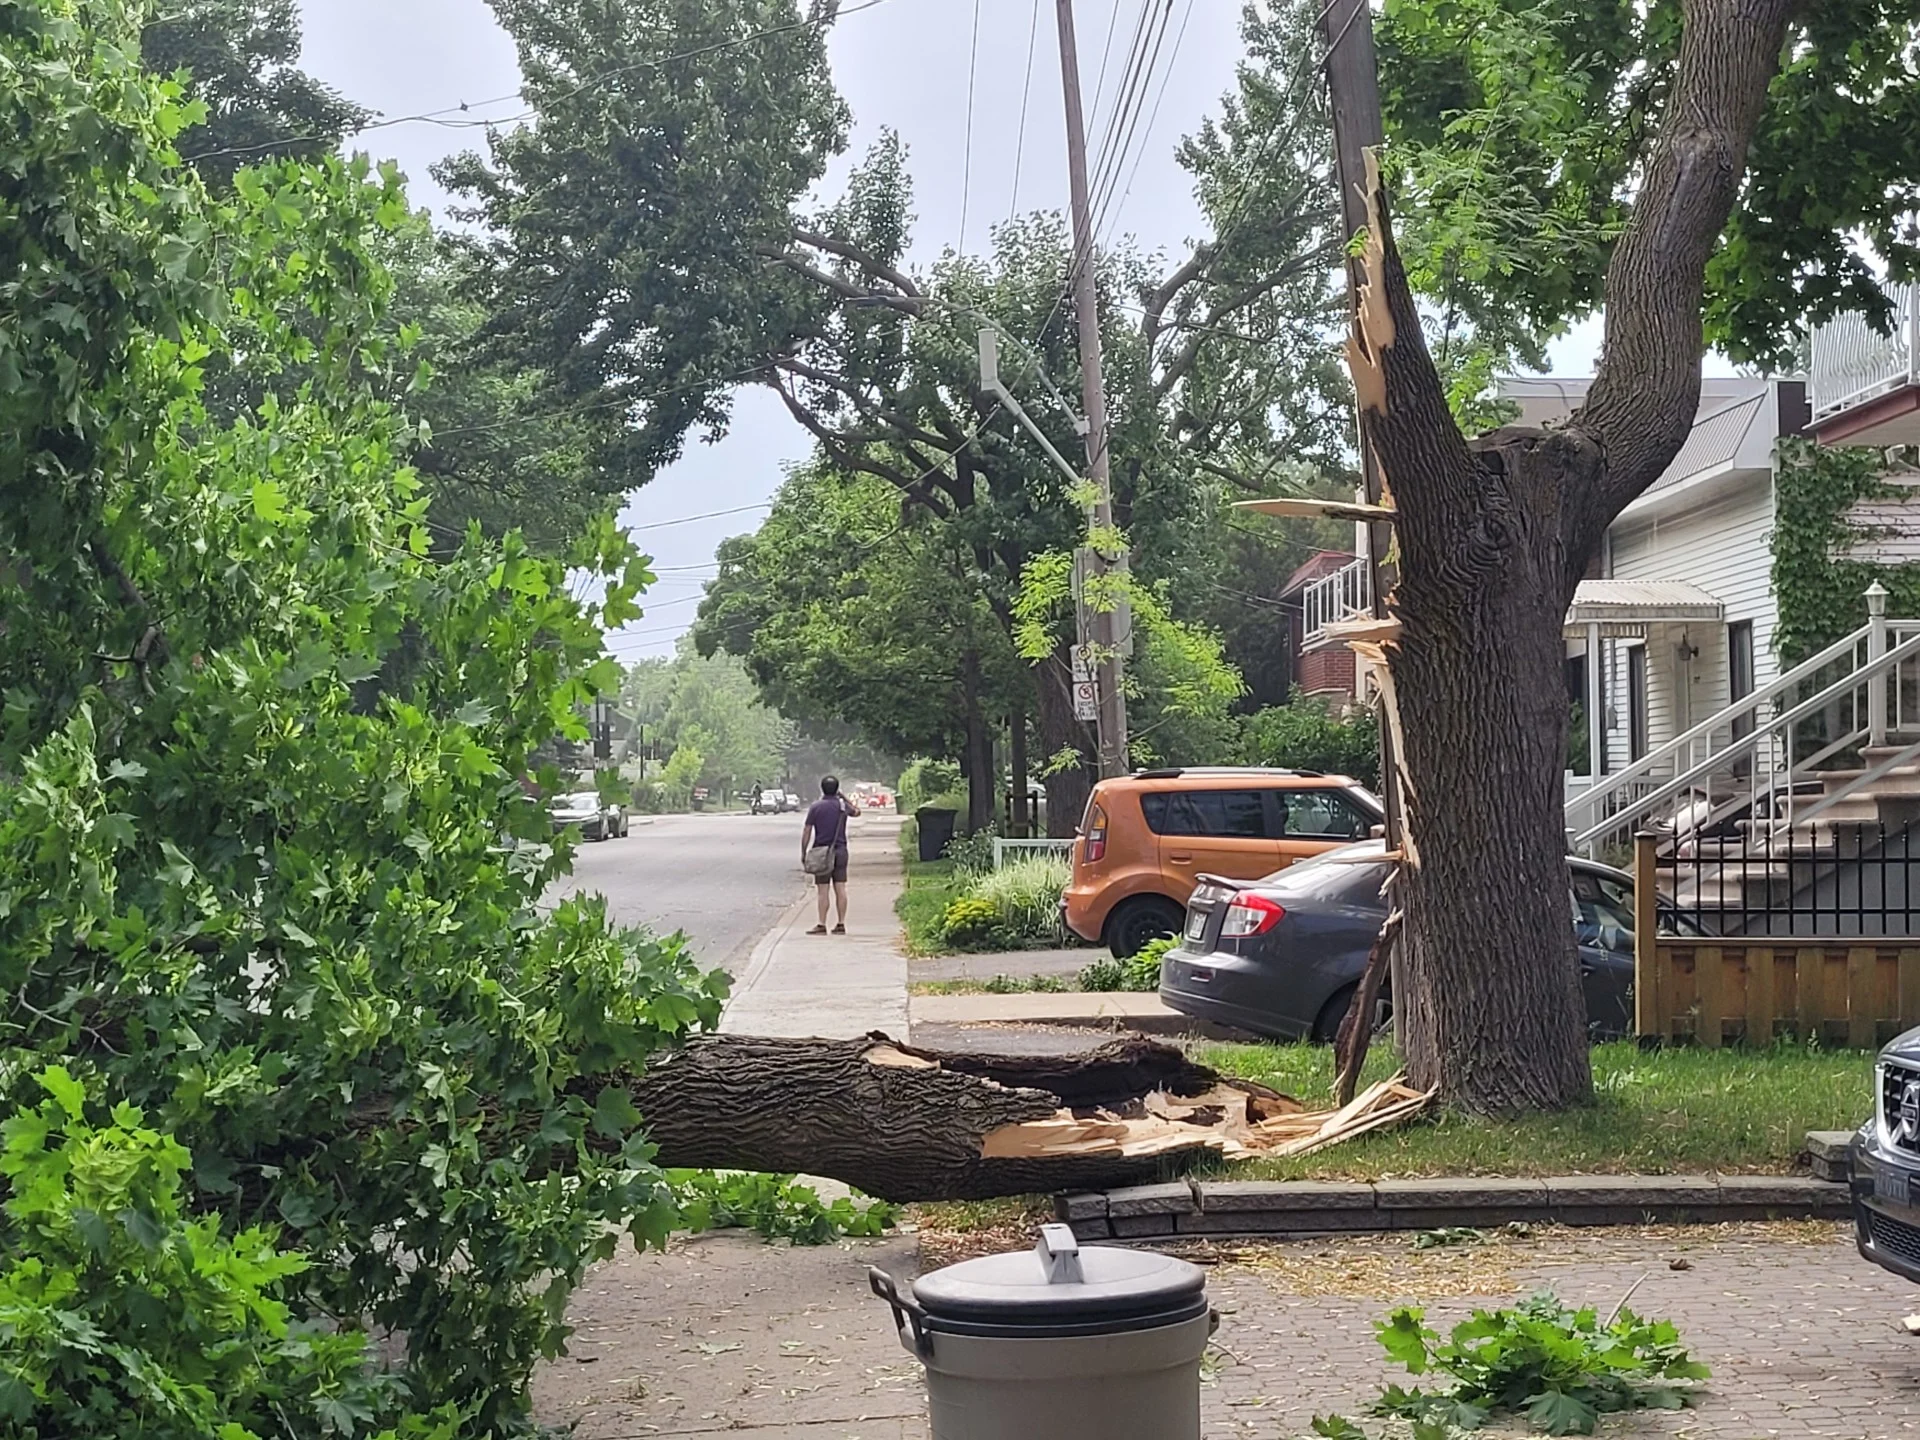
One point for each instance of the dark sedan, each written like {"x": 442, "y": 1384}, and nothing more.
{"x": 1282, "y": 956}
{"x": 1886, "y": 1170}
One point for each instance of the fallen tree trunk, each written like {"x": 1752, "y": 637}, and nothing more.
{"x": 909, "y": 1124}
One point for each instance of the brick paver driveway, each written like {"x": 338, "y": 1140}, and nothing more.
{"x": 725, "y": 1334}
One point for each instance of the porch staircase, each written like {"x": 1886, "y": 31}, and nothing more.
{"x": 1758, "y": 802}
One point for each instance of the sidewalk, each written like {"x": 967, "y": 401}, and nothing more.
{"x": 1096, "y": 1008}
{"x": 833, "y": 986}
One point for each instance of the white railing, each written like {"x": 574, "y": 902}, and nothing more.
{"x": 1027, "y": 849}
{"x": 1854, "y": 363}
{"x": 1340, "y": 596}
{"x": 1760, "y": 756}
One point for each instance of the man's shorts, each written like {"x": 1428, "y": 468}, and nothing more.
{"x": 839, "y": 874}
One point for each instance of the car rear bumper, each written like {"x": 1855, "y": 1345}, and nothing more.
{"x": 1180, "y": 991}
{"x": 1077, "y": 915}
{"x": 1887, "y": 1231}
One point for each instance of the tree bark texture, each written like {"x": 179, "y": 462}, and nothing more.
{"x": 1492, "y": 538}
{"x": 976, "y": 760}
{"x": 1067, "y": 790}
{"x": 898, "y": 1122}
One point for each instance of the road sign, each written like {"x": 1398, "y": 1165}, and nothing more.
{"x": 1086, "y": 700}
{"x": 1083, "y": 665}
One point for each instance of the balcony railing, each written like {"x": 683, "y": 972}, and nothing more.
{"x": 1854, "y": 363}
{"x": 1340, "y": 596}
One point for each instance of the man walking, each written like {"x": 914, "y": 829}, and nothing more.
{"x": 823, "y": 853}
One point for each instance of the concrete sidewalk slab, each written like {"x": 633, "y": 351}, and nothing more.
{"x": 833, "y": 986}
{"x": 1017, "y": 963}
{"x": 1099, "y": 1009}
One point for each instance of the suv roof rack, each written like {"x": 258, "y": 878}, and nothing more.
{"x": 1174, "y": 772}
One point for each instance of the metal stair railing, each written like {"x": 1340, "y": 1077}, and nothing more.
{"x": 1760, "y": 771}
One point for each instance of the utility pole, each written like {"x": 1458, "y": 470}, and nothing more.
{"x": 1353, "y": 87}
{"x": 1109, "y": 668}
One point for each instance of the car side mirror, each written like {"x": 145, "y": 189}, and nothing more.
{"x": 1378, "y": 832}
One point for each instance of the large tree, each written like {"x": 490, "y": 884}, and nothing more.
{"x": 242, "y": 61}
{"x": 1669, "y": 179}
{"x": 1216, "y": 359}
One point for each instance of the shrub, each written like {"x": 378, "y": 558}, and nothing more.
{"x": 122, "y": 1316}
{"x": 1026, "y": 894}
{"x": 972, "y": 855}
{"x": 971, "y": 920}
{"x": 1141, "y": 973}
{"x": 921, "y": 781}
{"x": 1307, "y": 734}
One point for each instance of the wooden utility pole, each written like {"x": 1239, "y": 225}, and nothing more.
{"x": 1109, "y": 668}
{"x": 1353, "y": 87}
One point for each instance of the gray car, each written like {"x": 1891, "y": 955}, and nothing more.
{"x": 1282, "y": 956}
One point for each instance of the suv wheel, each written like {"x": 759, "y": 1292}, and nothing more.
{"x": 1134, "y": 922}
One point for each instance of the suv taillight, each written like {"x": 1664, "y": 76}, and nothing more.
{"x": 1250, "y": 914}
{"x": 1096, "y": 835}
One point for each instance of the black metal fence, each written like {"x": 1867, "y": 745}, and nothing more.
{"x": 1846, "y": 880}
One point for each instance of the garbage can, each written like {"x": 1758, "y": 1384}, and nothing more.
{"x": 936, "y": 830}
{"x": 1058, "y": 1343}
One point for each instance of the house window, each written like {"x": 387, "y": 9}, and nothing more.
{"x": 1637, "y": 701}
{"x": 1740, "y": 672}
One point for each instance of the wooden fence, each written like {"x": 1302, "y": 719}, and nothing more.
{"x": 1839, "y": 991}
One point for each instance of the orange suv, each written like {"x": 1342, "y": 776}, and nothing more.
{"x": 1149, "y": 836}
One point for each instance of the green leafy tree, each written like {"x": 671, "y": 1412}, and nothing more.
{"x": 845, "y": 614}
{"x": 1523, "y": 128}
{"x": 261, "y": 747}
{"x": 241, "y": 57}
{"x": 1704, "y": 171}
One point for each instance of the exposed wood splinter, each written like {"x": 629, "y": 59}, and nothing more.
{"x": 1298, "y": 506}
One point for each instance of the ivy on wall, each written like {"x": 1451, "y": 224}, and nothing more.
{"x": 1820, "y": 592}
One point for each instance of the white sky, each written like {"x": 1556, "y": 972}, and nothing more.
{"x": 903, "y": 64}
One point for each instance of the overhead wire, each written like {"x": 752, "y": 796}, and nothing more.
{"x": 1124, "y": 99}
{"x": 1026, "y": 94}
{"x": 1153, "y": 116}
{"x": 465, "y": 107}
{"x": 966, "y": 160}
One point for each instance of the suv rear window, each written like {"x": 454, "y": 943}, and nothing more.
{"x": 1232, "y": 814}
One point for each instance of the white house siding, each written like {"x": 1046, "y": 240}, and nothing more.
{"x": 1724, "y": 546}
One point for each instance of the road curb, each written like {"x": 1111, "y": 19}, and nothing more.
{"x": 1314, "y": 1207}
{"x": 761, "y": 955}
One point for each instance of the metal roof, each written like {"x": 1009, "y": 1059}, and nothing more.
{"x": 1715, "y": 440}
{"x": 1630, "y": 604}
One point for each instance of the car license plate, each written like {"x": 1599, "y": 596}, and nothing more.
{"x": 1196, "y": 924}
{"x": 1891, "y": 1185}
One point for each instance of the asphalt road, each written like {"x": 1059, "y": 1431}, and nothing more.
{"x": 723, "y": 879}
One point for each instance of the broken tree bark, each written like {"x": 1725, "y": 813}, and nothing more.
{"x": 903, "y": 1123}
{"x": 1493, "y": 536}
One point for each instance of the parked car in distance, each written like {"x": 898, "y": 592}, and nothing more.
{"x": 1146, "y": 839}
{"x": 1886, "y": 1163}
{"x": 1282, "y": 956}
{"x": 596, "y": 819}
{"x": 768, "y": 803}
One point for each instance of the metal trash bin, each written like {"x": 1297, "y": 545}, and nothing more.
{"x": 1059, "y": 1343}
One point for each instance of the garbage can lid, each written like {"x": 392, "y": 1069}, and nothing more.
{"x": 1107, "y": 1287}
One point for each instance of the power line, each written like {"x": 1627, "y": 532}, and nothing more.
{"x": 1026, "y": 92}
{"x": 709, "y": 515}
{"x": 1173, "y": 59}
{"x": 434, "y": 117}
{"x": 966, "y": 161}
{"x": 1123, "y": 98}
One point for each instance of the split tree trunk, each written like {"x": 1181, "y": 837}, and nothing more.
{"x": 1492, "y": 540}
{"x": 898, "y": 1122}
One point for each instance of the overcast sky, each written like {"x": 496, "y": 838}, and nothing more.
{"x": 902, "y": 64}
